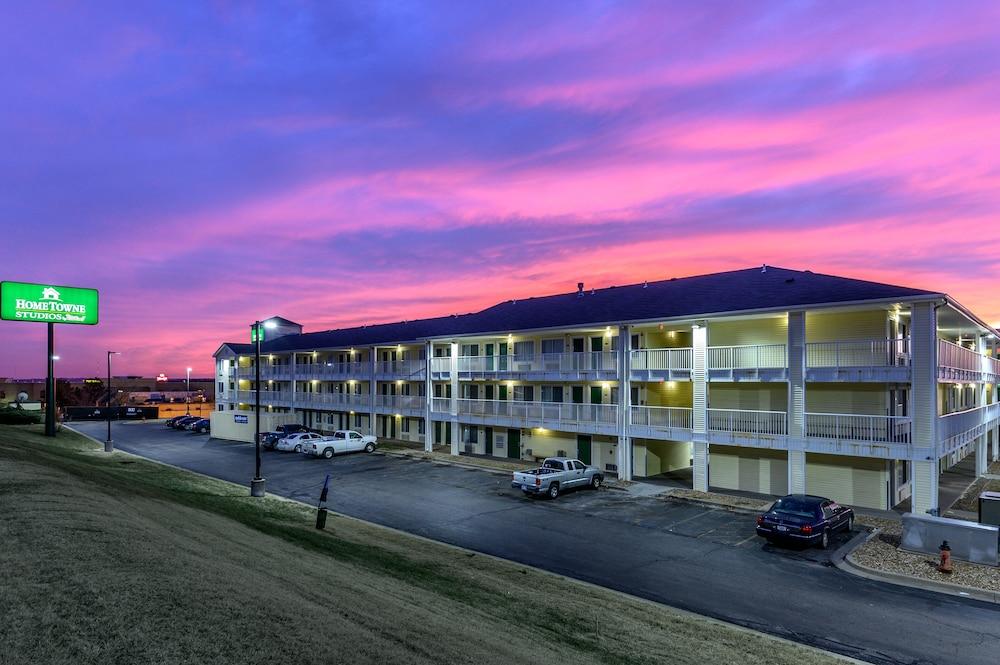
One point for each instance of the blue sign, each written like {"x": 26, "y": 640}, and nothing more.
{"x": 243, "y": 420}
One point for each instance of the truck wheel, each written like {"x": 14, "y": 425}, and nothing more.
{"x": 328, "y": 453}
{"x": 298, "y": 447}
{"x": 370, "y": 448}
{"x": 553, "y": 490}
{"x": 595, "y": 482}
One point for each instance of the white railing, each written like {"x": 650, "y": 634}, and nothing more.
{"x": 271, "y": 371}
{"x": 400, "y": 367}
{"x": 751, "y": 356}
{"x": 592, "y": 361}
{"x": 441, "y": 364}
{"x": 854, "y": 427}
{"x": 551, "y": 412}
{"x": 661, "y": 417}
{"x": 859, "y": 353}
{"x": 441, "y": 404}
{"x": 346, "y": 400}
{"x": 266, "y": 396}
{"x": 768, "y": 423}
{"x": 958, "y": 358}
{"x": 661, "y": 359}
{"x": 321, "y": 370}
{"x": 399, "y": 401}
{"x": 954, "y": 424}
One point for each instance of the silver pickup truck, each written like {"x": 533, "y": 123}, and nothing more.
{"x": 555, "y": 475}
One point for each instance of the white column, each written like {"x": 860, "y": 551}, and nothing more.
{"x": 624, "y": 406}
{"x": 925, "y": 453}
{"x": 372, "y": 389}
{"x": 982, "y": 442}
{"x": 796, "y": 402}
{"x": 428, "y": 398}
{"x": 455, "y": 431}
{"x": 699, "y": 414}
{"x": 294, "y": 379}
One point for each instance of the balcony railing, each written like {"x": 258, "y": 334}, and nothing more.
{"x": 399, "y": 402}
{"x": 555, "y": 363}
{"x": 411, "y": 367}
{"x": 331, "y": 370}
{"x": 266, "y": 396}
{"x": 349, "y": 401}
{"x": 748, "y": 357}
{"x": 767, "y": 423}
{"x": 663, "y": 418}
{"x": 860, "y": 353}
{"x": 661, "y": 359}
{"x": 853, "y": 427}
{"x": 959, "y": 363}
{"x": 540, "y": 412}
{"x": 961, "y": 423}
{"x": 441, "y": 404}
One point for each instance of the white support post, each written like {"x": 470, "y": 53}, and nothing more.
{"x": 982, "y": 442}
{"x": 699, "y": 414}
{"x": 796, "y": 402}
{"x": 924, "y": 447}
{"x": 624, "y": 407}
{"x": 295, "y": 381}
{"x": 372, "y": 389}
{"x": 455, "y": 430}
{"x": 428, "y": 398}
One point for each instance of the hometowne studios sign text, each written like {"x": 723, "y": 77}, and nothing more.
{"x": 45, "y": 303}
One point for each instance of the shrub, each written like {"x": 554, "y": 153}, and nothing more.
{"x": 17, "y": 417}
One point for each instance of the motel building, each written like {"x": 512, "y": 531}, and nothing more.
{"x": 766, "y": 380}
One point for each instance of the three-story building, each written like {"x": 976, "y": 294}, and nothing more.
{"x": 766, "y": 380}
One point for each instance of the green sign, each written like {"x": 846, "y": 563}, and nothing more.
{"x": 256, "y": 330}
{"x": 45, "y": 303}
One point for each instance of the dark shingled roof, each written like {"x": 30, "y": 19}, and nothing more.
{"x": 717, "y": 293}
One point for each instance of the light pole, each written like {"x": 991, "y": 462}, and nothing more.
{"x": 187, "y": 399}
{"x": 256, "y": 333}
{"x": 109, "y": 445}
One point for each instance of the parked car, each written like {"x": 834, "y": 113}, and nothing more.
{"x": 269, "y": 439}
{"x": 298, "y": 441}
{"x": 172, "y": 422}
{"x": 342, "y": 441}
{"x": 804, "y": 518}
{"x": 201, "y": 426}
{"x": 181, "y": 423}
{"x": 555, "y": 475}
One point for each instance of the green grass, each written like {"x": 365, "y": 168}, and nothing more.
{"x": 114, "y": 559}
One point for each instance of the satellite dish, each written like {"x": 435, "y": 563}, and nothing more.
{"x": 21, "y": 397}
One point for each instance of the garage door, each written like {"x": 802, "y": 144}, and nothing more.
{"x": 851, "y": 480}
{"x": 763, "y": 471}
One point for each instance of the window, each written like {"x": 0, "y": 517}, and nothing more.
{"x": 524, "y": 350}
{"x": 524, "y": 393}
{"x": 635, "y": 341}
{"x": 340, "y": 435}
{"x": 579, "y": 466}
{"x": 552, "y": 346}
{"x": 552, "y": 393}
{"x": 470, "y": 349}
{"x": 355, "y": 435}
{"x": 222, "y": 387}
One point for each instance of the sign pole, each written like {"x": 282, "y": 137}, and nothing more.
{"x": 50, "y": 386}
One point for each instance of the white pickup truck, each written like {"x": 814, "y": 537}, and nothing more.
{"x": 342, "y": 441}
{"x": 555, "y": 475}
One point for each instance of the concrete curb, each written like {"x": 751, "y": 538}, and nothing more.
{"x": 508, "y": 562}
{"x": 742, "y": 510}
{"x": 844, "y": 560}
{"x": 393, "y": 453}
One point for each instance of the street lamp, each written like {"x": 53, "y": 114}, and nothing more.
{"x": 109, "y": 445}
{"x": 188, "y": 398}
{"x": 256, "y": 333}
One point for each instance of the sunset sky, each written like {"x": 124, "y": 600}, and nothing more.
{"x": 206, "y": 164}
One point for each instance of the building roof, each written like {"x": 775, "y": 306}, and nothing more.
{"x": 751, "y": 289}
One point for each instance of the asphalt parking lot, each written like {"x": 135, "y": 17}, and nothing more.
{"x": 697, "y": 558}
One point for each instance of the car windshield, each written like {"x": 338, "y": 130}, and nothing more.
{"x": 792, "y": 506}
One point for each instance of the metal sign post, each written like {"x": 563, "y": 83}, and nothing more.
{"x": 321, "y": 507}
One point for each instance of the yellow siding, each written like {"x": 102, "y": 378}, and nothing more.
{"x": 832, "y": 326}
{"x": 761, "y": 396}
{"x": 653, "y": 457}
{"x": 750, "y": 470}
{"x": 851, "y": 480}
{"x": 860, "y": 398}
{"x": 669, "y": 393}
{"x": 664, "y": 339}
{"x": 773, "y": 330}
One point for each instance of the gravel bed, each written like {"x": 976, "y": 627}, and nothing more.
{"x": 882, "y": 553}
{"x": 721, "y": 499}
{"x": 969, "y": 501}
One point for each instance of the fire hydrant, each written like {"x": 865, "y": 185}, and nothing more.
{"x": 945, "y": 565}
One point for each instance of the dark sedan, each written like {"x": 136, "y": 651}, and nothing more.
{"x": 805, "y": 519}
{"x": 201, "y": 426}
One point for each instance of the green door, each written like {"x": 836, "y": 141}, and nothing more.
{"x": 437, "y": 431}
{"x": 502, "y": 390}
{"x": 596, "y": 344}
{"x": 577, "y": 394}
{"x": 583, "y": 448}
{"x": 502, "y": 359}
{"x": 595, "y": 395}
{"x": 514, "y": 443}
{"x": 489, "y": 440}
{"x": 490, "y": 359}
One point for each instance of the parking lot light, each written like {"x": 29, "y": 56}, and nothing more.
{"x": 257, "y": 484}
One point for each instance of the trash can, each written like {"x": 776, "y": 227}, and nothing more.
{"x": 989, "y": 508}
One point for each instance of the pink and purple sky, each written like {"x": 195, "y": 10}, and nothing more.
{"x": 205, "y": 164}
